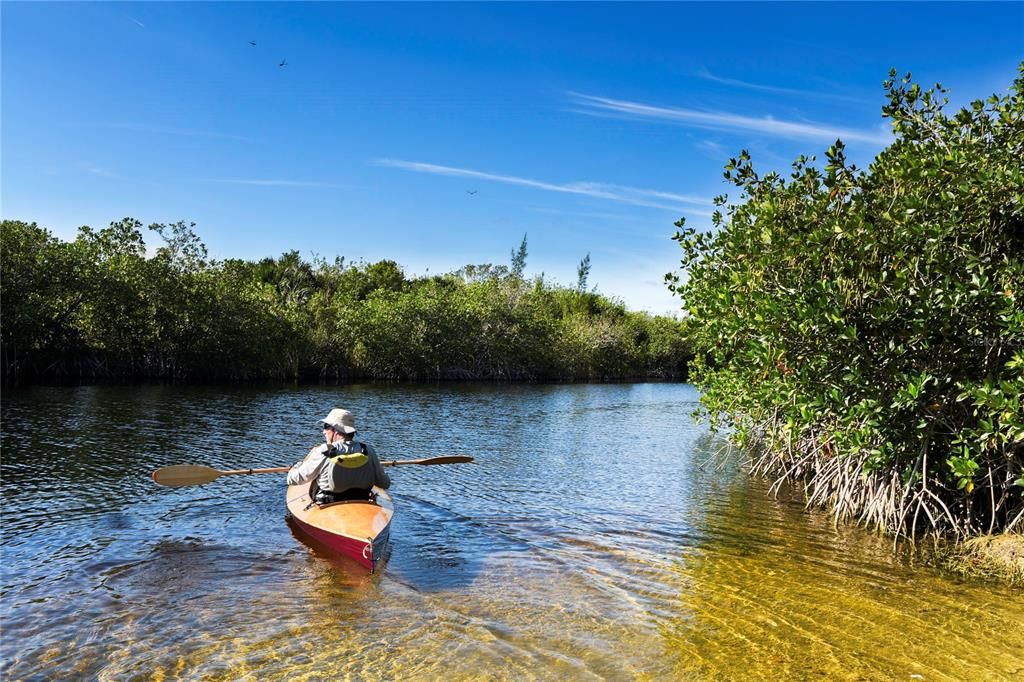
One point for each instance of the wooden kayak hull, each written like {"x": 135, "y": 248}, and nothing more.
{"x": 356, "y": 529}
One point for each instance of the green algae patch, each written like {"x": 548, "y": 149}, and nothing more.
{"x": 998, "y": 557}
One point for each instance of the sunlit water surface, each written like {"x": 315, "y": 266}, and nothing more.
{"x": 590, "y": 540}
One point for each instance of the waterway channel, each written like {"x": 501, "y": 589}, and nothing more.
{"x": 593, "y": 538}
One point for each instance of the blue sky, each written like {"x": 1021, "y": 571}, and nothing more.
{"x": 589, "y": 127}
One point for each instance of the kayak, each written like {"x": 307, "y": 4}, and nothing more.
{"x": 354, "y": 528}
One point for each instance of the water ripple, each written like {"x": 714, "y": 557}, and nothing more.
{"x": 590, "y": 540}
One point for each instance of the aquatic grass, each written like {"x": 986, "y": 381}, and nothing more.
{"x": 999, "y": 558}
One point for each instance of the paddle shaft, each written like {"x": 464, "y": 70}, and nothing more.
{"x": 274, "y": 470}
{"x": 187, "y": 474}
{"x": 444, "y": 459}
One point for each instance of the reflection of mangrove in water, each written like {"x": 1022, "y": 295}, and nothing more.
{"x": 779, "y": 593}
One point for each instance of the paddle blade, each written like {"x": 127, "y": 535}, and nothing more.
{"x": 447, "y": 459}
{"x": 444, "y": 459}
{"x": 184, "y": 474}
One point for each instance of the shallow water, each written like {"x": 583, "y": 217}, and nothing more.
{"x": 590, "y": 540}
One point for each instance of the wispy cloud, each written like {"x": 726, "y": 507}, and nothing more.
{"x": 714, "y": 148}
{"x": 707, "y": 75}
{"x": 93, "y": 169}
{"x": 612, "y": 217}
{"x": 724, "y": 120}
{"x": 96, "y": 170}
{"x": 166, "y": 130}
{"x": 629, "y": 195}
{"x": 616, "y": 218}
{"x": 271, "y": 183}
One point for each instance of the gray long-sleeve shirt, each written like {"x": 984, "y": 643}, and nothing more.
{"x": 369, "y": 475}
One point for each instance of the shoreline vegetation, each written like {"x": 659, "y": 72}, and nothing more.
{"x": 101, "y": 309}
{"x": 997, "y": 558}
{"x": 861, "y": 334}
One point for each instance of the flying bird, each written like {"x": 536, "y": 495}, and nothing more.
{"x": 471, "y": 191}
{"x": 253, "y": 43}
{"x": 284, "y": 62}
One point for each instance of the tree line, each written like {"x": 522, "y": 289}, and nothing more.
{"x": 100, "y": 308}
{"x": 863, "y": 332}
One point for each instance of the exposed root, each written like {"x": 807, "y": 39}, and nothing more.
{"x": 906, "y": 506}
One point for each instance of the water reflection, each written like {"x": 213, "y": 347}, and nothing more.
{"x": 593, "y": 539}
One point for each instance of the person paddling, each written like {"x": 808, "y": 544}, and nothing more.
{"x": 345, "y": 469}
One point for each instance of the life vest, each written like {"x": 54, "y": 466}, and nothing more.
{"x": 338, "y": 464}
{"x": 352, "y": 460}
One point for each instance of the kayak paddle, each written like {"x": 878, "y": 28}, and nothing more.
{"x": 193, "y": 474}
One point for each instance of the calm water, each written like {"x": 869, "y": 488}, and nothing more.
{"x": 587, "y": 542}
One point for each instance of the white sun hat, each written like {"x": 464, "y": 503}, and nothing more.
{"x": 342, "y": 420}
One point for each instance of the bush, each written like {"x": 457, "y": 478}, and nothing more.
{"x": 864, "y": 331}
{"x": 99, "y": 308}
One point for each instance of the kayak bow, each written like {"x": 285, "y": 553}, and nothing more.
{"x": 355, "y": 528}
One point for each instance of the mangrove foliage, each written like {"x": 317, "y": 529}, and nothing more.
{"x": 104, "y": 307}
{"x": 862, "y": 332}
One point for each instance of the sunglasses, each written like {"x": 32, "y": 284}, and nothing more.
{"x": 327, "y": 426}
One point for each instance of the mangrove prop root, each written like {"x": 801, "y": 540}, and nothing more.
{"x": 920, "y": 503}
